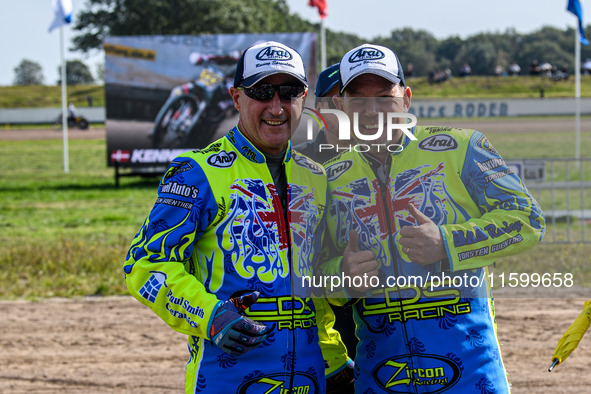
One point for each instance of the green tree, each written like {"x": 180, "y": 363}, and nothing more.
{"x": 100, "y": 72}
{"x": 156, "y": 17}
{"x": 447, "y": 50}
{"x": 412, "y": 46}
{"x": 548, "y": 45}
{"x": 337, "y": 44}
{"x": 482, "y": 51}
{"x": 28, "y": 72}
{"x": 77, "y": 73}
{"x": 479, "y": 54}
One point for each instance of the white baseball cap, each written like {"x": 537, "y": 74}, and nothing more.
{"x": 370, "y": 59}
{"x": 268, "y": 58}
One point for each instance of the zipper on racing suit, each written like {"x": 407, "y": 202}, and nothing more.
{"x": 291, "y": 278}
{"x": 384, "y": 185}
{"x": 285, "y": 226}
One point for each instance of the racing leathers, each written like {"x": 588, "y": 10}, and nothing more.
{"x": 218, "y": 229}
{"x": 418, "y": 333}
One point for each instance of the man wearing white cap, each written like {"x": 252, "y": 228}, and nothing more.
{"x": 406, "y": 211}
{"x": 234, "y": 225}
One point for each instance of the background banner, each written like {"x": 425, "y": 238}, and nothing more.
{"x": 168, "y": 94}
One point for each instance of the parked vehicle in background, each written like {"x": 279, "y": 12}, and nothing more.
{"x": 77, "y": 121}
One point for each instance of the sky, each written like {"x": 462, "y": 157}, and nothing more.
{"x": 24, "y": 24}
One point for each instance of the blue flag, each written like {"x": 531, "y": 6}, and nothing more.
{"x": 62, "y": 11}
{"x": 574, "y": 6}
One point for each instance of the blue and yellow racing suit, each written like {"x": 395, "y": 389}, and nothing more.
{"x": 218, "y": 228}
{"x": 417, "y": 334}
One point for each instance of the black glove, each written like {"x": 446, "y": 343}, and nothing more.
{"x": 342, "y": 382}
{"x": 233, "y": 333}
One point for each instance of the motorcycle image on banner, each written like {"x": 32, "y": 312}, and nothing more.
{"x": 194, "y": 110}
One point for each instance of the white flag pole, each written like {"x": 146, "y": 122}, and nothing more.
{"x": 323, "y": 44}
{"x": 64, "y": 104}
{"x": 577, "y": 96}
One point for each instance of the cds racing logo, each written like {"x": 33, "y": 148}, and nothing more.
{"x": 274, "y": 53}
{"x": 363, "y": 142}
{"x": 367, "y": 53}
{"x": 286, "y": 312}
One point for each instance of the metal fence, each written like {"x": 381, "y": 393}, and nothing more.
{"x": 562, "y": 187}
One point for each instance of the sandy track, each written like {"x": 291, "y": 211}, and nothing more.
{"x": 47, "y": 134}
{"x": 116, "y": 345}
{"x": 100, "y": 345}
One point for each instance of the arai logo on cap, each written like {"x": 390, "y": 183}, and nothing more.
{"x": 366, "y": 53}
{"x": 274, "y": 53}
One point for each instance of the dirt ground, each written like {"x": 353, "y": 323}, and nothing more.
{"x": 117, "y": 345}
{"x": 47, "y": 134}
{"x": 497, "y": 126}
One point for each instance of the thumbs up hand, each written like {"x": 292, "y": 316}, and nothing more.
{"x": 423, "y": 244}
{"x": 359, "y": 263}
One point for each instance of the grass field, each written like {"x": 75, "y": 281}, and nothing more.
{"x": 67, "y": 234}
{"x": 50, "y": 96}
{"x": 496, "y": 87}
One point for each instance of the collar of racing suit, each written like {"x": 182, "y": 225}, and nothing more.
{"x": 248, "y": 150}
{"x": 382, "y": 170}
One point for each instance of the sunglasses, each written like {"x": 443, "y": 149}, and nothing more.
{"x": 266, "y": 91}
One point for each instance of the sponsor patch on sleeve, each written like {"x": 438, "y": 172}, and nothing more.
{"x": 222, "y": 159}
{"x": 484, "y": 144}
{"x": 337, "y": 169}
{"x": 303, "y": 161}
{"x": 438, "y": 143}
